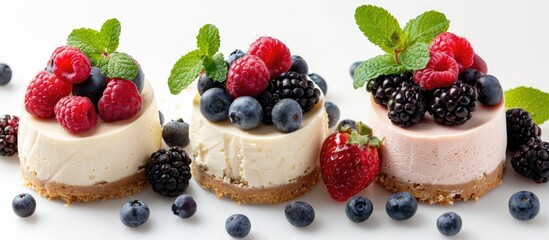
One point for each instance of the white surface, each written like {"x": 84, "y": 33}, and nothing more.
{"x": 510, "y": 35}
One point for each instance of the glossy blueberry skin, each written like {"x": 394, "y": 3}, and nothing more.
{"x": 214, "y": 104}
{"x": 238, "y": 226}
{"x": 401, "y": 206}
{"x": 320, "y": 82}
{"x": 204, "y": 83}
{"x": 5, "y": 74}
{"x": 353, "y": 67}
{"x": 287, "y": 115}
{"x": 359, "y": 209}
{"x": 161, "y": 117}
{"x": 236, "y": 54}
{"x": 333, "y": 113}
{"x": 246, "y": 113}
{"x": 524, "y": 205}
{"x": 449, "y": 224}
{"x": 184, "y": 206}
{"x": 139, "y": 80}
{"x": 176, "y": 133}
{"x": 470, "y": 76}
{"x": 299, "y": 213}
{"x": 346, "y": 123}
{"x": 23, "y": 205}
{"x": 134, "y": 213}
{"x": 490, "y": 91}
{"x": 299, "y": 65}
{"x": 92, "y": 87}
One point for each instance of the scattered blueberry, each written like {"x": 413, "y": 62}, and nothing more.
{"x": 449, "y": 224}
{"x": 287, "y": 115}
{"x": 333, "y": 113}
{"x": 5, "y": 74}
{"x": 176, "y": 133}
{"x": 299, "y": 213}
{"x": 524, "y": 205}
{"x": 161, "y": 116}
{"x": 205, "y": 83}
{"x": 401, "y": 206}
{"x": 236, "y": 54}
{"x": 489, "y": 90}
{"x": 470, "y": 76}
{"x": 299, "y": 65}
{"x": 139, "y": 80}
{"x": 92, "y": 87}
{"x": 246, "y": 113}
{"x": 134, "y": 213}
{"x": 320, "y": 82}
{"x": 184, "y": 206}
{"x": 359, "y": 209}
{"x": 238, "y": 226}
{"x": 347, "y": 123}
{"x": 23, "y": 205}
{"x": 214, "y": 104}
{"x": 353, "y": 67}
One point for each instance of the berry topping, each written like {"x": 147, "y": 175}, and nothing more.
{"x": 169, "y": 172}
{"x": 176, "y": 133}
{"x": 453, "y": 105}
{"x": 346, "y": 123}
{"x": 238, "y": 226}
{"x": 23, "y": 205}
{"x": 359, "y": 209}
{"x": 454, "y": 46}
{"x": 43, "y": 93}
{"x": 274, "y": 53}
{"x": 524, "y": 205}
{"x": 5, "y": 74}
{"x": 299, "y": 213}
{"x": 76, "y": 114}
{"x": 49, "y": 65}
{"x": 248, "y": 76}
{"x": 449, "y": 224}
{"x": 205, "y": 83}
{"x": 214, "y": 104}
{"x": 353, "y": 67}
{"x": 9, "y": 127}
{"x": 333, "y": 113}
{"x": 490, "y": 91}
{"x": 320, "y": 82}
{"x": 287, "y": 115}
{"x": 184, "y": 206}
{"x": 245, "y": 113}
{"x": 92, "y": 87}
{"x": 406, "y": 106}
{"x": 139, "y": 80}
{"x": 520, "y": 128}
{"x": 120, "y": 100}
{"x": 441, "y": 71}
{"x": 299, "y": 65}
{"x": 532, "y": 160}
{"x": 236, "y": 54}
{"x": 72, "y": 65}
{"x": 134, "y": 213}
{"x": 470, "y": 76}
{"x": 384, "y": 86}
{"x": 401, "y": 206}
{"x": 479, "y": 64}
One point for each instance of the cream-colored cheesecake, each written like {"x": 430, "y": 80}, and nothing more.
{"x": 105, "y": 162}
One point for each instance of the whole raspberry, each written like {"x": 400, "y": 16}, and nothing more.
{"x": 441, "y": 71}
{"x": 72, "y": 65}
{"x": 248, "y": 76}
{"x": 120, "y": 100}
{"x": 457, "y": 47}
{"x": 274, "y": 53}
{"x": 76, "y": 114}
{"x": 49, "y": 65}
{"x": 43, "y": 93}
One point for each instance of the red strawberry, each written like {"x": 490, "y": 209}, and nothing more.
{"x": 349, "y": 161}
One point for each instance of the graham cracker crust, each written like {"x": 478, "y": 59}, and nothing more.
{"x": 445, "y": 194}
{"x": 270, "y": 195}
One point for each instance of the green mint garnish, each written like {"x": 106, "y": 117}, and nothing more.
{"x": 379, "y": 26}
{"x": 534, "y": 101}
{"x": 375, "y": 67}
{"x": 425, "y": 27}
{"x": 110, "y": 31}
{"x": 120, "y": 65}
{"x": 208, "y": 40}
{"x": 184, "y": 71}
{"x": 216, "y": 67}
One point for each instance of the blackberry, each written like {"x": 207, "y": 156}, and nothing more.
{"x": 9, "y": 126}
{"x": 406, "y": 105}
{"x": 289, "y": 85}
{"x": 520, "y": 128}
{"x": 383, "y": 86}
{"x": 169, "y": 172}
{"x": 532, "y": 160}
{"x": 453, "y": 105}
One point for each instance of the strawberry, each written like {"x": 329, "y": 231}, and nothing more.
{"x": 349, "y": 161}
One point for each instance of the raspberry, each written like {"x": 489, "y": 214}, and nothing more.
{"x": 274, "y": 53}
{"x": 120, "y": 100}
{"x": 59, "y": 49}
{"x": 457, "y": 47}
{"x": 76, "y": 114}
{"x": 72, "y": 65}
{"x": 441, "y": 71}
{"x": 248, "y": 76}
{"x": 43, "y": 93}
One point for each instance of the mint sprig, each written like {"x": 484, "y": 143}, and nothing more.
{"x": 530, "y": 99}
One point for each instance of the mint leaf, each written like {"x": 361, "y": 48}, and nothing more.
{"x": 110, "y": 31}
{"x": 425, "y": 27}
{"x": 120, "y": 65}
{"x": 415, "y": 57}
{"x": 208, "y": 40}
{"x": 375, "y": 67}
{"x": 88, "y": 41}
{"x": 185, "y": 71}
{"x": 216, "y": 67}
{"x": 530, "y": 99}
{"x": 379, "y": 26}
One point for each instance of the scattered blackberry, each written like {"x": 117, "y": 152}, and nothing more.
{"x": 453, "y": 105}
{"x": 289, "y": 85}
{"x": 9, "y": 126}
{"x": 169, "y": 172}
{"x": 532, "y": 160}
{"x": 383, "y": 87}
{"x": 520, "y": 128}
{"x": 406, "y": 105}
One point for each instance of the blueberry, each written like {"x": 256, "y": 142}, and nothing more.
{"x": 176, "y": 133}
{"x": 236, "y": 54}
{"x": 449, "y": 224}
{"x": 139, "y": 80}
{"x": 238, "y": 226}
{"x": 299, "y": 213}
{"x": 320, "y": 82}
{"x": 214, "y": 104}
{"x": 359, "y": 209}
{"x": 524, "y": 205}
{"x": 246, "y": 113}
{"x": 184, "y": 206}
{"x": 299, "y": 65}
{"x": 490, "y": 91}
{"x": 23, "y": 205}
{"x": 92, "y": 87}
{"x": 401, "y": 206}
{"x": 134, "y": 213}
{"x": 161, "y": 116}
{"x": 5, "y": 74}
{"x": 346, "y": 123}
{"x": 470, "y": 76}
{"x": 353, "y": 67}
{"x": 205, "y": 83}
{"x": 333, "y": 113}
{"x": 287, "y": 115}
